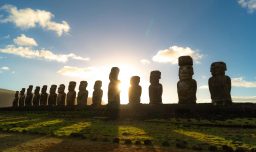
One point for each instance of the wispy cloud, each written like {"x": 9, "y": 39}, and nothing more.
{"x": 78, "y": 72}
{"x": 250, "y": 5}
{"x": 240, "y": 82}
{"x": 244, "y": 98}
{"x": 28, "y": 18}
{"x": 204, "y": 87}
{"x": 144, "y": 61}
{"x": 28, "y": 52}
{"x": 171, "y": 54}
{"x": 5, "y": 68}
{"x": 23, "y": 40}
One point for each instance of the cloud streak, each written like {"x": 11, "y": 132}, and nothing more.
{"x": 250, "y": 5}
{"x": 72, "y": 71}
{"x": 240, "y": 82}
{"x": 171, "y": 54}
{"x": 28, "y": 18}
{"x": 23, "y": 40}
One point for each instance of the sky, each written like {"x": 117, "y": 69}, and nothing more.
{"x": 52, "y": 42}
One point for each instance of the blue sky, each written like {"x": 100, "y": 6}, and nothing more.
{"x": 46, "y": 42}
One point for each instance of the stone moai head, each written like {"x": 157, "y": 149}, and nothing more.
{"x": 186, "y": 67}
{"x": 44, "y": 89}
{"x": 218, "y": 68}
{"x": 30, "y": 89}
{"x": 53, "y": 89}
{"x": 155, "y": 76}
{"x": 16, "y": 94}
{"x": 72, "y": 86}
{"x": 83, "y": 85}
{"x": 22, "y": 92}
{"x": 135, "y": 80}
{"x": 61, "y": 88}
{"x": 37, "y": 90}
{"x": 97, "y": 85}
{"x": 114, "y": 73}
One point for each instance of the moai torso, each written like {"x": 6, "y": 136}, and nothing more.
{"x": 16, "y": 99}
{"x": 134, "y": 90}
{"x": 220, "y": 84}
{"x": 97, "y": 94}
{"x": 155, "y": 88}
{"x": 186, "y": 86}
{"x": 36, "y": 97}
{"x": 71, "y": 96}
{"x": 29, "y": 96}
{"x": 113, "y": 87}
{"x": 52, "y": 99}
{"x": 82, "y": 94}
{"x": 22, "y": 98}
{"x": 43, "y": 96}
{"x": 61, "y": 98}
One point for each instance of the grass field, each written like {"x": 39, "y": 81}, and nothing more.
{"x": 181, "y": 133}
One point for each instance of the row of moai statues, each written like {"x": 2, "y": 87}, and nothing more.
{"x": 219, "y": 86}
{"x": 61, "y": 99}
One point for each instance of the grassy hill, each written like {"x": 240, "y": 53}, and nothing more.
{"x": 6, "y": 97}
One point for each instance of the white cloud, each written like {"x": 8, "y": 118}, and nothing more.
{"x": 78, "y": 72}
{"x": 171, "y": 54}
{"x": 244, "y": 98}
{"x": 28, "y": 18}
{"x": 250, "y": 5}
{"x": 28, "y": 52}
{"x": 204, "y": 87}
{"x": 240, "y": 82}
{"x": 145, "y": 61}
{"x": 23, "y": 40}
{"x": 5, "y": 68}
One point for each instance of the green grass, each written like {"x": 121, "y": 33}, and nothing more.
{"x": 193, "y": 131}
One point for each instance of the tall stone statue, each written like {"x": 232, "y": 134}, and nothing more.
{"x": 71, "y": 96}
{"x": 22, "y": 98}
{"x": 16, "y": 99}
{"x": 36, "y": 97}
{"x": 97, "y": 94}
{"x": 220, "y": 84}
{"x": 61, "y": 98}
{"x": 43, "y": 96}
{"x": 29, "y": 96}
{"x": 155, "y": 88}
{"x": 113, "y": 87}
{"x": 82, "y": 94}
{"x": 134, "y": 90}
{"x": 52, "y": 99}
{"x": 186, "y": 86}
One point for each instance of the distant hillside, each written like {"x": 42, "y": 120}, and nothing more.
{"x": 6, "y": 97}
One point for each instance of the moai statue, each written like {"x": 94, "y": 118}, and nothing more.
{"x": 43, "y": 96}
{"x": 155, "y": 88}
{"x": 113, "y": 87}
{"x": 16, "y": 99}
{"x": 220, "y": 84}
{"x": 36, "y": 97}
{"x": 71, "y": 96}
{"x": 82, "y": 94}
{"x": 134, "y": 90}
{"x": 97, "y": 94}
{"x": 186, "y": 86}
{"x": 52, "y": 99}
{"x": 61, "y": 98}
{"x": 22, "y": 98}
{"x": 29, "y": 96}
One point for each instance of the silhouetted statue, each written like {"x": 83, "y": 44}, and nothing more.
{"x": 61, "y": 98}
{"x": 97, "y": 93}
{"x": 134, "y": 90}
{"x": 52, "y": 99}
{"x": 113, "y": 87}
{"x": 16, "y": 99}
{"x": 220, "y": 84}
{"x": 29, "y": 96}
{"x": 186, "y": 86}
{"x": 43, "y": 96}
{"x": 71, "y": 96}
{"x": 155, "y": 88}
{"x": 36, "y": 97}
{"x": 82, "y": 94}
{"x": 22, "y": 98}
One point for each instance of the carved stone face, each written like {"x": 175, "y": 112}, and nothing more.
{"x": 218, "y": 68}
{"x": 61, "y": 88}
{"x": 53, "y": 89}
{"x": 37, "y": 90}
{"x": 97, "y": 85}
{"x": 135, "y": 80}
{"x": 186, "y": 72}
{"x": 114, "y": 74}
{"x": 22, "y": 92}
{"x": 17, "y": 94}
{"x": 72, "y": 86}
{"x": 83, "y": 85}
{"x": 154, "y": 77}
{"x": 44, "y": 89}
